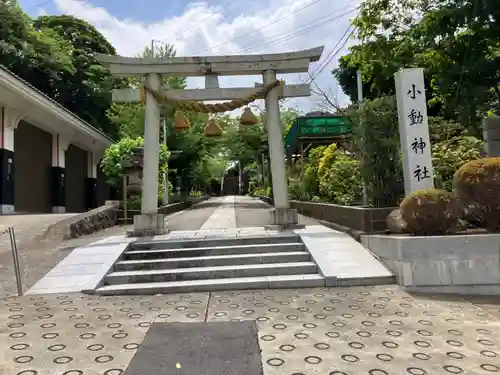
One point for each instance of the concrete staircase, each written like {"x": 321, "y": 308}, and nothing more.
{"x": 183, "y": 266}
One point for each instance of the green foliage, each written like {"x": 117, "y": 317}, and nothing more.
{"x": 117, "y": 154}
{"x": 457, "y": 43}
{"x": 86, "y": 90}
{"x": 441, "y": 130}
{"x": 376, "y": 143}
{"x": 128, "y": 117}
{"x": 260, "y": 191}
{"x": 339, "y": 177}
{"x": 330, "y": 174}
{"x": 431, "y": 212}
{"x": 55, "y": 54}
{"x": 477, "y": 184}
{"x": 296, "y": 190}
{"x": 449, "y": 156}
{"x": 311, "y": 183}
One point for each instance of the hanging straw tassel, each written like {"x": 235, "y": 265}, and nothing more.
{"x": 248, "y": 118}
{"x": 180, "y": 121}
{"x": 212, "y": 129}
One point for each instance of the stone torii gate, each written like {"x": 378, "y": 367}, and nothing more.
{"x": 268, "y": 65}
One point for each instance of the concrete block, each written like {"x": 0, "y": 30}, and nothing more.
{"x": 283, "y": 216}
{"x": 147, "y": 225}
{"x": 446, "y": 264}
{"x": 475, "y": 271}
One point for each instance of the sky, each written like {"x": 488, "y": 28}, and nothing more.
{"x": 222, "y": 27}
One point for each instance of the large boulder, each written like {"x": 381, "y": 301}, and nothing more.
{"x": 396, "y": 223}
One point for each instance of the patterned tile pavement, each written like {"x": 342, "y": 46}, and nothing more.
{"x": 330, "y": 331}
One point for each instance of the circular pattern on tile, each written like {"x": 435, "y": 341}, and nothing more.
{"x": 95, "y": 347}
{"x": 24, "y": 359}
{"x": 103, "y": 359}
{"x": 490, "y": 368}
{"x": 453, "y": 369}
{"x": 275, "y": 362}
{"x": 385, "y": 357}
{"x": 114, "y": 371}
{"x": 56, "y": 347}
{"x": 19, "y": 346}
{"x": 313, "y": 360}
{"x": 63, "y": 360}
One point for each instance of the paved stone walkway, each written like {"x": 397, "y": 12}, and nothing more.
{"x": 358, "y": 330}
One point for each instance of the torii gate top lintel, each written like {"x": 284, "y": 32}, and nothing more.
{"x": 231, "y": 65}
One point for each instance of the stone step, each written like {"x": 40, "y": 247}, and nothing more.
{"x": 214, "y": 285}
{"x": 180, "y": 243}
{"x": 212, "y": 251}
{"x": 210, "y": 261}
{"x": 207, "y": 273}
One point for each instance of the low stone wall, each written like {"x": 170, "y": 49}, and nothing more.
{"x": 86, "y": 223}
{"x": 363, "y": 219}
{"x": 458, "y": 264}
{"x": 104, "y": 217}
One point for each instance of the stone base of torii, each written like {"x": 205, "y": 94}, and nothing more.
{"x": 281, "y": 217}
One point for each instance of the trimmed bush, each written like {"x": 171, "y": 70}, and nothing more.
{"x": 477, "y": 184}
{"x": 431, "y": 212}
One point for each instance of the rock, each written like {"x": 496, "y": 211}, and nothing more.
{"x": 396, "y": 223}
{"x": 94, "y": 221}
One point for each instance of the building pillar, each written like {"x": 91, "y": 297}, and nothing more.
{"x": 9, "y": 119}
{"x": 281, "y": 216}
{"x": 91, "y": 181}
{"x": 60, "y": 145}
{"x": 150, "y": 223}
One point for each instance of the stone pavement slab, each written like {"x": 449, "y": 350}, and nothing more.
{"x": 376, "y": 330}
{"x": 84, "y": 268}
{"x": 216, "y": 348}
{"x": 341, "y": 259}
{"x": 224, "y": 215}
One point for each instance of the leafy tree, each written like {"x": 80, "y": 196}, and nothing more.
{"x": 118, "y": 154}
{"x": 448, "y": 156}
{"x": 376, "y": 143}
{"x": 456, "y": 42}
{"x": 339, "y": 177}
{"x": 37, "y": 55}
{"x": 87, "y": 90}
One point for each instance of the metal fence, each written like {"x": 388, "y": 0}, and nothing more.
{"x": 15, "y": 256}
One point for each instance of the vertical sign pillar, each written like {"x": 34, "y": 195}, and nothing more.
{"x": 414, "y": 130}
{"x": 8, "y": 121}
{"x": 491, "y": 136}
{"x": 91, "y": 181}
{"x": 58, "y": 173}
{"x": 282, "y": 215}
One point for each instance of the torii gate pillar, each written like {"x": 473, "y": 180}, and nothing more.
{"x": 150, "y": 222}
{"x": 281, "y": 216}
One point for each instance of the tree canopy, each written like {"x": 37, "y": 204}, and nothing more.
{"x": 457, "y": 42}
{"x": 55, "y": 54}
